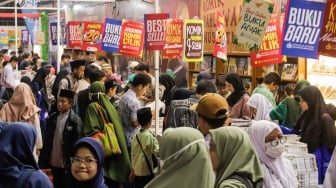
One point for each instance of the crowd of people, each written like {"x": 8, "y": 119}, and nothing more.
{"x": 50, "y": 121}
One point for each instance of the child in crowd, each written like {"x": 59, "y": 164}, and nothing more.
{"x": 143, "y": 146}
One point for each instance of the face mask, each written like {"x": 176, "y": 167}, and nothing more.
{"x": 274, "y": 151}
{"x": 179, "y": 152}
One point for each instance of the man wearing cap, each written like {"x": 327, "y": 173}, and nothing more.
{"x": 90, "y": 56}
{"x": 132, "y": 65}
{"x": 71, "y": 80}
{"x": 107, "y": 69}
{"x": 211, "y": 113}
{"x": 64, "y": 129}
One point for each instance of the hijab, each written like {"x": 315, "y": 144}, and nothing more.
{"x": 258, "y": 131}
{"x": 298, "y": 86}
{"x": 237, "y": 83}
{"x": 39, "y": 84}
{"x": 169, "y": 84}
{"x": 21, "y": 106}
{"x": 236, "y": 155}
{"x": 262, "y": 104}
{"x": 187, "y": 162}
{"x": 97, "y": 91}
{"x": 17, "y": 142}
{"x": 97, "y": 150}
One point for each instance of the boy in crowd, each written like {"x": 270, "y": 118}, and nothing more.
{"x": 269, "y": 86}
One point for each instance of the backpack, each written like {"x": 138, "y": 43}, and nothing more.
{"x": 180, "y": 114}
{"x": 55, "y": 87}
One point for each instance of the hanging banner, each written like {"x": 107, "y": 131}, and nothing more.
{"x": 220, "y": 46}
{"x": 53, "y": 33}
{"x": 24, "y": 36}
{"x": 174, "y": 39}
{"x": 12, "y": 38}
{"x": 111, "y": 35}
{"x": 92, "y": 35}
{"x": 302, "y": 28}
{"x": 155, "y": 32}
{"x": 75, "y": 30}
{"x": 253, "y": 22}
{"x": 3, "y": 40}
{"x": 32, "y": 24}
{"x": 193, "y": 40}
{"x": 132, "y": 38}
{"x": 269, "y": 51}
{"x": 327, "y": 43}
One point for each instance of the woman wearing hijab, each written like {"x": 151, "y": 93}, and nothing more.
{"x": 18, "y": 167}
{"x": 269, "y": 143}
{"x": 316, "y": 127}
{"x": 40, "y": 89}
{"x": 87, "y": 164}
{"x": 22, "y": 108}
{"x": 234, "y": 159}
{"x": 260, "y": 107}
{"x": 186, "y": 161}
{"x": 118, "y": 167}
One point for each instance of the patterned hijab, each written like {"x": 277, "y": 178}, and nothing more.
{"x": 185, "y": 165}
{"x": 258, "y": 131}
{"x": 21, "y": 106}
{"x": 236, "y": 155}
{"x": 262, "y": 104}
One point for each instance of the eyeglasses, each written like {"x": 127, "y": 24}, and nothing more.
{"x": 86, "y": 161}
{"x": 282, "y": 140}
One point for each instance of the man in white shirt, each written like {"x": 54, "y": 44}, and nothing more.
{"x": 7, "y": 77}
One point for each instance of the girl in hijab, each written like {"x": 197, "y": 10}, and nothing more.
{"x": 260, "y": 107}
{"x": 18, "y": 166}
{"x": 22, "y": 108}
{"x": 118, "y": 167}
{"x": 232, "y": 155}
{"x": 185, "y": 158}
{"x": 87, "y": 164}
{"x": 316, "y": 127}
{"x": 269, "y": 142}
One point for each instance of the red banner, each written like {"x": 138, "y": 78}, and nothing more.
{"x": 131, "y": 38}
{"x": 92, "y": 35}
{"x": 174, "y": 39}
{"x": 327, "y": 44}
{"x": 155, "y": 30}
{"x": 75, "y": 29}
{"x": 269, "y": 51}
{"x": 220, "y": 47}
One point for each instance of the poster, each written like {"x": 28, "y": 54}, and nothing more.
{"x": 3, "y": 40}
{"x": 269, "y": 51}
{"x": 220, "y": 44}
{"x": 253, "y": 22}
{"x": 301, "y": 32}
{"x": 53, "y": 33}
{"x": 24, "y": 37}
{"x": 111, "y": 35}
{"x": 174, "y": 39}
{"x": 92, "y": 35}
{"x": 327, "y": 42}
{"x": 155, "y": 32}
{"x": 75, "y": 33}
{"x": 132, "y": 38}
{"x": 193, "y": 40}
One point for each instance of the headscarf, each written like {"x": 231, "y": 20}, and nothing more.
{"x": 182, "y": 93}
{"x": 17, "y": 142}
{"x": 189, "y": 167}
{"x": 258, "y": 131}
{"x": 95, "y": 147}
{"x": 120, "y": 164}
{"x": 21, "y": 106}
{"x": 298, "y": 86}
{"x": 236, "y": 156}
{"x": 237, "y": 83}
{"x": 310, "y": 120}
{"x": 39, "y": 84}
{"x": 262, "y": 104}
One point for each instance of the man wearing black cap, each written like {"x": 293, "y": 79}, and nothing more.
{"x": 63, "y": 130}
{"x": 71, "y": 80}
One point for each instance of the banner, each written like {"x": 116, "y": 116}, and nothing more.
{"x": 132, "y": 38}
{"x": 155, "y": 32}
{"x": 269, "y": 51}
{"x": 3, "y": 40}
{"x": 302, "y": 28}
{"x": 220, "y": 45}
{"x": 111, "y": 35}
{"x": 53, "y": 33}
{"x": 174, "y": 39}
{"x": 92, "y": 35}
{"x": 253, "y": 22}
{"x": 327, "y": 43}
{"x": 193, "y": 40}
{"x": 75, "y": 33}
{"x": 24, "y": 37}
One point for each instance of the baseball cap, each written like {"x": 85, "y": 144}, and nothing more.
{"x": 212, "y": 106}
{"x": 133, "y": 64}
